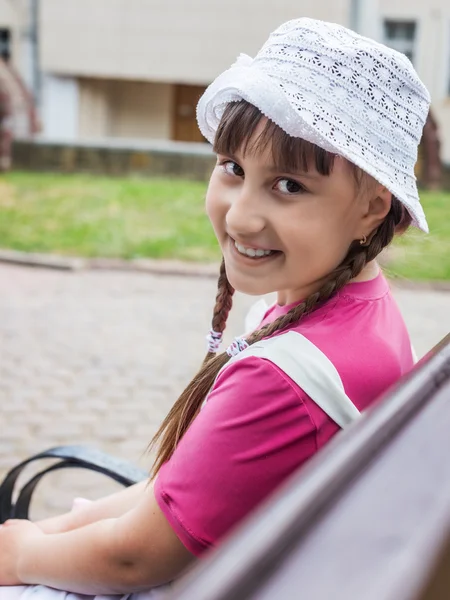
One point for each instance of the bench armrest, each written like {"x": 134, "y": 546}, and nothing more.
{"x": 81, "y": 457}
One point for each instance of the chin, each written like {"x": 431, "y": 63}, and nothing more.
{"x": 245, "y": 285}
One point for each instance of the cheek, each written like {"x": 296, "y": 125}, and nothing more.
{"x": 210, "y": 204}
{"x": 331, "y": 247}
{"x": 217, "y": 204}
{"x": 214, "y": 203}
{"x": 318, "y": 242}
{"x": 216, "y": 211}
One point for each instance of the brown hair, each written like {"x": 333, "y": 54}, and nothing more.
{"x": 236, "y": 129}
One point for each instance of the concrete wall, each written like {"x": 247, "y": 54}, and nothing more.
{"x": 59, "y": 107}
{"x": 127, "y": 55}
{"x": 145, "y": 42}
{"x": 14, "y": 16}
{"x": 127, "y": 109}
{"x": 169, "y": 159}
{"x": 9, "y": 15}
{"x": 182, "y": 41}
{"x": 94, "y": 108}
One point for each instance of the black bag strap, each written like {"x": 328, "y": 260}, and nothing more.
{"x": 82, "y": 457}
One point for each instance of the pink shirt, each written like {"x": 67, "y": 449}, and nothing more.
{"x": 257, "y": 426}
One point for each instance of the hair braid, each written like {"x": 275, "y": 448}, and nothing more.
{"x": 189, "y": 403}
{"x": 224, "y": 302}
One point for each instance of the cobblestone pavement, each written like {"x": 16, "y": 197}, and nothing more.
{"x": 97, "y": 357}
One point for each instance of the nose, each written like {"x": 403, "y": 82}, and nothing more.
{"x": 245, "y": 215}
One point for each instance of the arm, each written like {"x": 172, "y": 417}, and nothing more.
{"x": 224, "y": 465}
{"x": 136, "y": 551}
{"x": 112, "y": 506}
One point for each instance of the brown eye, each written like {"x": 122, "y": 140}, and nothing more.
{"x": 233, "y": 168}
{"x": 288, "y": 186}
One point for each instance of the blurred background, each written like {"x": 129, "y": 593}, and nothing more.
{"x": 134, "y": 69}
{"x": 103, "y": 179}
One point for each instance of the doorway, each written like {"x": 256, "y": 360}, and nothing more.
{"x": 185, "y": 128}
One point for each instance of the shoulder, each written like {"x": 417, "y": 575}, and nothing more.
{"x": 252, "y": 385}
{"x": 251, "y": 434}
{"x": 367, "y": 341}
{"x": 357, "y": 321}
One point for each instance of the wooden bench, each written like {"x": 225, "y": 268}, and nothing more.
{"x": 367, "y": 519}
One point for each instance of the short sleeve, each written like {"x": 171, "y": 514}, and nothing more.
{"x": 251, "y": 434}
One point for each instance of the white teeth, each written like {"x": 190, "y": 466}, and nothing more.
{"x": 252, "y": 252}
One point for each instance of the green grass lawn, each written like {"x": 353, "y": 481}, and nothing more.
{"x": 81, "y": 215}
{"x": 420, "y": 256}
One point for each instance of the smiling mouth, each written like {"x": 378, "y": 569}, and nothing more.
{"x": 256, "y": 253}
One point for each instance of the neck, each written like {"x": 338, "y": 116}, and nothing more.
{"x": 370, "y": 271}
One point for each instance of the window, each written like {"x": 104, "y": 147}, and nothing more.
{"x": 401, "y": 36}
{"x": 5, "y": 44}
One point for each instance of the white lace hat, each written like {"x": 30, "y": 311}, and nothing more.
{"x": 345, "y": 93}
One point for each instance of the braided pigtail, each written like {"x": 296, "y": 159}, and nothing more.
{"x": 189, "y": 403}
{"x": 224, "y": 302}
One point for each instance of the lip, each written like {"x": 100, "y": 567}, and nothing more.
{"x": 251, "y": 261}
{"x": 255, "y": 247}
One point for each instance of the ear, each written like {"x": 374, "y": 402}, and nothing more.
{"x": 377, "y": 208}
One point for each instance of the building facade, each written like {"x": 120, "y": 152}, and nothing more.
{"x": 135, "y": 69}
{"x": 15, "y": 38}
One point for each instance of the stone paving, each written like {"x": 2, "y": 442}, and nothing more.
{"x": 97, "y": 357}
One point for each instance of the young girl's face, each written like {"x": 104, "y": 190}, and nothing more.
{"x": 282, "y": 232}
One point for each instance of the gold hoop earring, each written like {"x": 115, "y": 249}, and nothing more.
{"x": 363, "y": 240}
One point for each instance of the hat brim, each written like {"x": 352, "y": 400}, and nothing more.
{"x": 265, "y": 93}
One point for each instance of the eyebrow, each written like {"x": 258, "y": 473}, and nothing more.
{"x": 306, "y": 174}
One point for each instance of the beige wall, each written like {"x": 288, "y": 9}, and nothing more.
{"x": 142, "y": 39}
{"x": 433, "y": 33}
{"x": 13, "y": 15}
{"x": 94, "y": 113}
{"x": 442, "y": 114}
{"x": 432, "y": 53}
{"x": 127, "y": 109}
{"x": 10, "y": 16}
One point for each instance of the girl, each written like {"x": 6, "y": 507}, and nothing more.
{"x": 316, "y": 141}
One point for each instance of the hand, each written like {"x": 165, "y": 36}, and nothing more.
{"x": 15, "y": 535}
{"x": 77, "y": 517}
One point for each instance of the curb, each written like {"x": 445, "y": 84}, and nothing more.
{"x": 154, "y": 266}
{"x": 49, "y": 261}
{"x": 160, "y": 267}
{"x": 142, "y": 265}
